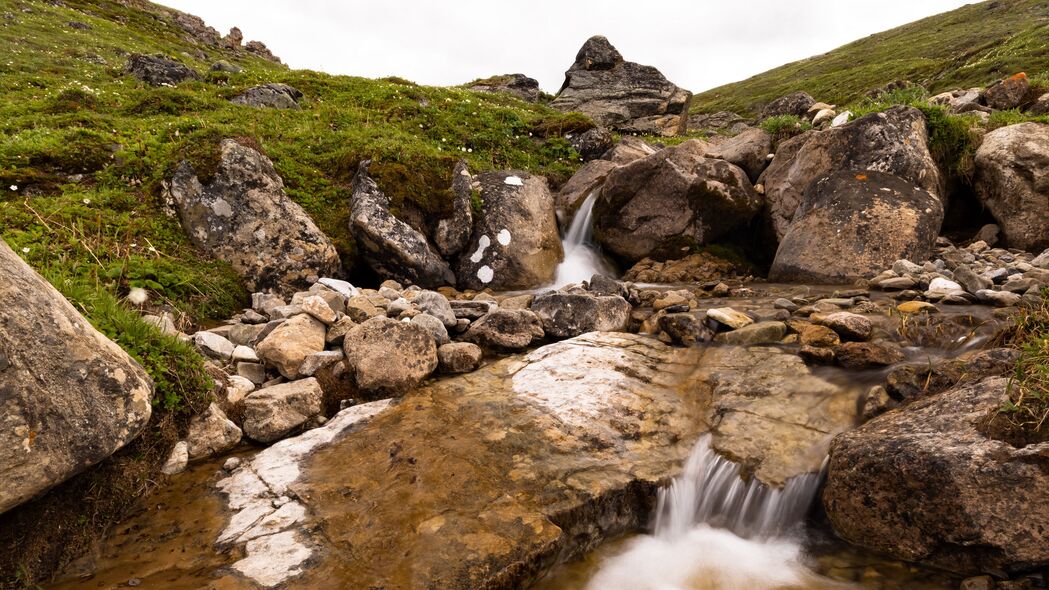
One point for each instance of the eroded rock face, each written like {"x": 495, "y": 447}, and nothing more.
{"x": 391, "y": 247}
{"x": 1012, "y": 180}
{"x": 272, "y": 96}
{"x": 925, "y": 484}
{"x": 670, "y": 199}
{"x": 855, "y": 224}
{"x": 69, "y": 397}
{"x": 159, "y": 70}
{"x": 515, "y": 242}
{"x": 893, "y": 142}
{"x": 244, "y": 217}
{"x": 622, "y": 95}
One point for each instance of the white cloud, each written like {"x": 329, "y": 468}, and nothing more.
{"x": 697, "y": 44}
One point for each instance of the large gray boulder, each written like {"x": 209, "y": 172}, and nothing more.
{"x": 388, "y": 356}
{"x": 515, "y": 242}
{"x": 672, "y": 199}
{"x": 243, "y": 216}
{"x": 506, "y": 330}
{"x": 856, "y": 224}
{"x": 620, "y": 94}
{"x": 159, "y": 70}
{"x": 926, "y": 483}
{"x": 566, "y": 315}
{"x": 895, "y": 142}
{"x": 391, "y": 247}
{"x": 69, "y": 397}
{"x": 1012, "y": 181}
{"x": 271, "y": 96}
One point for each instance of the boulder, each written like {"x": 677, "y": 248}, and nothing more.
{"x": 894, "y": 142}
{"x": 211, "y": 433}
{"x": 848, "y": 325}
{"x": 622, "y": 95}
{"x": 1012, "y": 181}
{"x": 274, "y": 412}
{"x": 515, "y": 242}
{"x": 565, "y": 315}
{"x": 159, "y": 70}
{"x": 854, "y": 225}
{"x": 432, "y": 325}
{"x": 243, "y": 216}
{"x": 925, "y": 483}
{"x": 69, "y": 397}
{"x": 391, "y": 247}
{"x": 628, "y": 149}
{"x": 271, "y": 96}
{"x": 722, "y": 121}
{"x": 701, "y": 267}
{"x": 437, "y": 305}
{"x": 388, "y": 356}
{"x": 517, "y": 85}
{"x": 1008, "y": 93}
{"x": 796, "y": 104}
{"x": 291, "y": 342}
{"x": 592, "y": 143}
{"x": 958, "y": 101}
{"x": 868, "y": 355}
{"x": 506, "y": 330}
{"x": 669, "y": 200}
{"x": 459, "y": 357}
{"x": 585, "y": 181}
{"x": 749, "y": 150}
{"x": 770, "y": 332}
{"x": 454, "y": 232}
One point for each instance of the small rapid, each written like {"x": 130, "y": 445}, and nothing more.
{"x": 583, "y": 258}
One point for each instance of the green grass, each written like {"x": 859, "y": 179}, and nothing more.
{"x": 971, "y": 46}
{"x": 1024, "y": 418}
{"x": 782, "y": 127}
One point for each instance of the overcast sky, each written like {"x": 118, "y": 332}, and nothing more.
{"x": 697, "y": 44}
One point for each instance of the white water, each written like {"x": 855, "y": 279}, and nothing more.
{"x": 714, "y": 531}
{"x": 583, "y": 258}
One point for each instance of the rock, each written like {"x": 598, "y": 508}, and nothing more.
{"x": 586, "y": 180}
{"x": 211, "y": 433}
{"x": 685, "y": 329}
{"x": 453, "y": 232}
{"x": 673, "y": 198}
{"x": 225, "y": 66}
{"x": 506, "y": 330}
{"x": 894, "y": 142}
{"x": 1042, "y": 260}
{"x": 159, "y": 70}
{"x": 622, "y": 95}
{"x": 927, "y": 484}
{"x": 849, "y": 326}
{"x": 437, "y": 305}
{"x": 259, "y": 48}
{"x": 290, "y": 343}
{"x": 319, "y": 309}
{"x": 271, "y": 96}
{"x": 823, "y": 116}
{"x": 914, "y": 380}
{"x": 816, "y": 355}
{"x": 319, "y": 360}
{"x": 628, "y": 149}
{"x": 672, "y": 299}
{"x": 244, "y": 354}
{"x": 243, "y": 216}
{"x": 852, "y": 225}
{"x": 971, "y": 281}
{"x": 459, "y": 357}
{"x": 177, "y": 460}
{"x": 913, "y": 307}
{"x": 592, "y": 143}
{"x": 368, "y": 352}
{"x": 472, "y": 310}
{"x": 434, "y": 326}
{"x": 701, "y": 267}
{"x": 1011, "y": 177}
{"x": 815, "y": 335}
{"x": 759, "y": 333}
{"x": 729, "y": 317}
{"x": 70, "y": 397}
{"x": 163, "y": 322}
{"x": 1008, "y": 93}
{"x": 516, "y": 85}
{"x": 796, "y": 104}
{"x": 866, "y": 355}
{"x": 515, "y": 242}
{"x": 213, "y": 345}
{"x": 602, "y": 285}
{"x": 941, "y": 287}
{"x": 716, "y": 122}
{"x": 565, "y": 315}
{"x": 391, "y": 247}
{"x": 749, "y": 150}
{"x": 273, "y": 413}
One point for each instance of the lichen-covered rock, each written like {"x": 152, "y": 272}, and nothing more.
{"x": 69, "y": 397}
{"x": 388, "y": 356}
{"x": 211, "y": 433}
{"x": 515, "y": 242}
{"x": 459, "y": 357}
{"x": 391, "y": 247}
{"x": 517, "y": 85}
{"x": 273, "y": 412}
{"x": 796, "y": 104}
{"x": 925, "y": 483}
{"x": 159, "y": 70}
{"x": 565, "y": 315}
{"x": 592, "y": 143}
{"x": 1008, "y": 93}
{"x": 506, "y": 329}
{"x": 453, "y": 232}
{"x": 291, "y": 342}
{"x": 854, "y": 225}
{"x": 243, "y": 216}
{"x": 749, "y": 150}
{"x": 1012, "y": 181}
{"x": 622, "y": 95}
{"x": 894, "y": 142}
{"x": 670, "y": 200}
{"x": 272, "y": 96}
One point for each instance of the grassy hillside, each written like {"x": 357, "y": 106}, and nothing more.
{"x": 971, "y": 46}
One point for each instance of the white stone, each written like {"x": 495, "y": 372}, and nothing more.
{"x": 941, "y": 287}
{"x": 729, "y": 317}
{"x": 514, "y": 181}
{"x": 213, "y": 345}
{"x": 342, "y": 287}
{"x": 238, "y": 387}
{"x": 177, "y": 460}
{"x": 245, "y": 353}
{"x": 274, "y": 559}
{"x": 841, "y": 119}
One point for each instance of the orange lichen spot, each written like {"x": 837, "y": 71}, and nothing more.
{"x": 1020, "y": 76}
{"x": 861, "y": 177}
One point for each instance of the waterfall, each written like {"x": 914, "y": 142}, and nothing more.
{"x": 715, "y": 531}
{"x": 583, "y": 258}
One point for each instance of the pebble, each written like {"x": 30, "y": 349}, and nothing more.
{"x": 729, "y": 317}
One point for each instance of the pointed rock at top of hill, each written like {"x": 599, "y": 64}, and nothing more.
{"x": 519, "y": 85}
{"x": 620, "y": 94}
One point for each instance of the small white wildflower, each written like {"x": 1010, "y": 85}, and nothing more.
{"x": 463, "y": 149}
{"x": 470, "y": 150}
{"x": 25, "y": 250}
{"x": 14, "y": 187}
{"x": 87, "y": 201}
{"x": 134, "y": 244}
{"x": 137, "y": 296}
{"x": 152, "y": 249}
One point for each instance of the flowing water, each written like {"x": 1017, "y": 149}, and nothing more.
{"x": 583, "y": 258}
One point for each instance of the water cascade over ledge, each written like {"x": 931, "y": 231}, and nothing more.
{"x": 583, "y": 258}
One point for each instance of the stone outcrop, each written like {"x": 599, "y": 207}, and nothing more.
{"x": 851, "y": 225}
{"x": 243, "y": 216}
{"x": 894, "y": 142}
{"x": 515, "y": 242}
{"x": 1012, "y": 181}
{"x": 453, "y": 232}
{"x": 622, "y": 95}
{"x": 927, "y": 484}
{"x": 69, "y": 397}
{"x": 159, "y": 70}
{"x": 672, "y": 199}
{"x": 272, "y": 96}
{"x": 516, "y": 85}
{"x": 391, "y": 247}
